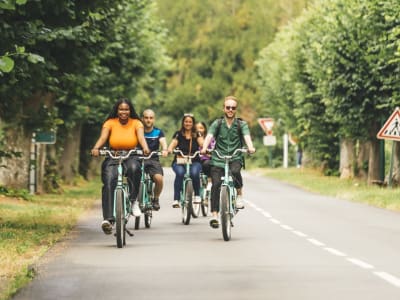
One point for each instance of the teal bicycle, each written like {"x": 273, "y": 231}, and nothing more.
{"x": 228, "y": 195}
{"x": 122, "y": 205}
{"x": 186, "y": 194}
{"x": 146, "y": 193}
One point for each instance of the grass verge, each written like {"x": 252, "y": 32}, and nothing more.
{"x": 348, "y": 189}
{"x": 29, "y": 228}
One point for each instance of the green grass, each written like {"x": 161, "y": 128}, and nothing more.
{"x": 348, "y": 189}
{"x": 28, "y": 228}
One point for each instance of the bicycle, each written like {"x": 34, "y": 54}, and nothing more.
{"x": 186, "y": 194}
{"x": 122, "y": 205}
{"x": 205, "y": 194}
{"x": 145, "y": 193}
{"x": 228, "y": 195}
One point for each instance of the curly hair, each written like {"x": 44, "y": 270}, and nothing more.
{"x": 114, "y": 111}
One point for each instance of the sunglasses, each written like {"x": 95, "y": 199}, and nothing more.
{"x": 230, "y": 107}
{"x": 188, "y": 115}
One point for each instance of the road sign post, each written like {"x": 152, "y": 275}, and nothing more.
{"x": 269, "y": 139}
{"x": 391, "y": 131}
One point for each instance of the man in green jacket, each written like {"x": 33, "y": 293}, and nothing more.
{"x": 229, "y": 133}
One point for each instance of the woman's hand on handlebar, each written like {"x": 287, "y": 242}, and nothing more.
{"x": 95, "y": 152}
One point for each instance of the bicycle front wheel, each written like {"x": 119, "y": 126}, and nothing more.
{"x": 187, "y": 203}
{"x": 141, "y": 204}
{"x": 225, "y": 213}
{"x": 120, "y": 218}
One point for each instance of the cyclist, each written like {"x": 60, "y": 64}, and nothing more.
{"x": 187, "y": 140}
{"x": 205, "y": 159}
{"x": 154, "y": 138}
{"x": 122, "y": 130}
{"x": 228, "y": 133}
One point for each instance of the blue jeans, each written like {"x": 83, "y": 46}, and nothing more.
{"x": 180, "y": 171}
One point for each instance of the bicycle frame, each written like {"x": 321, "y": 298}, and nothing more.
{"x": 186, "y": 185}
{"x": 228, "y": 211}
{"x": 145, "y": 190}
{"x": 122, "y": 187}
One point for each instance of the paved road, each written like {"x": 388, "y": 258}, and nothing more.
{"x": 286, "y": 244}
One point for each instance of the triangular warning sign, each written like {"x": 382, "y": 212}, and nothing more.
{"x": 391, "y": 129}
{"x": 266, "y": 124}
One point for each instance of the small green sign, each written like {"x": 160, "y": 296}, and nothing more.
{"x": 46, "y": 137}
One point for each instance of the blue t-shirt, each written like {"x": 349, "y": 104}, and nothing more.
{"x": 153, "y": 138}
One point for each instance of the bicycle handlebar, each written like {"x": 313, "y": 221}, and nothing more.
{"x": 178, "y": 151}
{"x": 140, "y": 152}
{"x": 122, "y": 154}
{"x": 243, "y": 150}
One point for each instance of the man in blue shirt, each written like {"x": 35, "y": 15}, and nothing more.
{"x": 155, "y": 138}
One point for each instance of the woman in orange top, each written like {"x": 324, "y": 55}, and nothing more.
{"x": 123, "y": 130}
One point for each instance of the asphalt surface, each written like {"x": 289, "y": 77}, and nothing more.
{"x": 286, "y": 244}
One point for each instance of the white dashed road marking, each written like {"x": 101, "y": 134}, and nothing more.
{"x": 357, "y": 262}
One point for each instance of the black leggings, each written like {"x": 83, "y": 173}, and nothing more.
{"x": 109, "y": 176}
{"x": 216, "y": 174}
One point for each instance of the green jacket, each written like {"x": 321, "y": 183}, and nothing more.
{"x": 228, "y": 139}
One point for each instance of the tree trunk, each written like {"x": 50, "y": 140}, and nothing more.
{"x": 373, "y": 164}
{"x": 346, "y": 158}
{"x": 362, "y": 160}
{"x": 69, "y": 162}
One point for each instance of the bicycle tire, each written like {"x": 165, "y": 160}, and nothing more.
{"x": 225, "y": 213}
{"x": 141, "y": 204}
{"x": 120, "y": 218}
{"x": 137, "y": 223}
{"x": 148, "y": 216}
{"x": 187, "y": 203}
{"x": 205, "y": 197}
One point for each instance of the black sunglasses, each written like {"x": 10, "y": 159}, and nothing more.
{"x": 230, "y": 107}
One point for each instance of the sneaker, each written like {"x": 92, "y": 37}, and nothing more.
{"x": 196, "y": 199}
{"x": 214, "y": 223}
{"x": 136, "y": 209}
{"x": 156, "y": 204}
{"x": 175, "y": 204}
{"x": 239, "y": 202}
{"x": 106, "y": 226}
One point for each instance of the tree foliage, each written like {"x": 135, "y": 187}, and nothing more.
{"x": 336, "y": 70}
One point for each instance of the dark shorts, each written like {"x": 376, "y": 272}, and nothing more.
{"x": 153, "y": 166}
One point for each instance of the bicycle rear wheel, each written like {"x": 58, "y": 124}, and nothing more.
{"x": 205, "y": 202}
{"x": 120, "y": 218}
{"x": 187, "y": 203}
{"x": 225, "y": 213}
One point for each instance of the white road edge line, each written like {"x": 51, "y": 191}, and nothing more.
{"x": 287, "y": 227}
{"x": 299, "y": 233}
{"x": 316, "y": 242}
{"x": 335, "y": 252}
{"x": 360, "y": 263}
{"x": 389, "y": 278}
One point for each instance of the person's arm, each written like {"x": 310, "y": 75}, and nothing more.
{"x": 206, "y": 142}
{"x": 142, "y": 140}
{"x": 104, "y": 135}
{"x": 172, "y": 145}
{"x": 249, "y": 143}
{"x": 164, "y": 146}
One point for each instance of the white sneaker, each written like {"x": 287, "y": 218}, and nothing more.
{"x": 136, "y": 209}
{"x": 196, "y": 199}
{"x": 175, "y": 204}
{"x": 239, "y": 202}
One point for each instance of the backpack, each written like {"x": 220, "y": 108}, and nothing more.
{"x": 239, "y": 128}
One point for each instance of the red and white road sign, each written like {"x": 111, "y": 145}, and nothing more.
{"x": 391, "y": 128}
{"x": 266, "y": 124}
